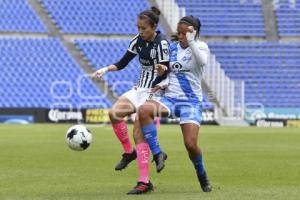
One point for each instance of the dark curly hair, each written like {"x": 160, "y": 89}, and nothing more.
{"x": 190, "y": 20}
{"x": 151, "y": 15}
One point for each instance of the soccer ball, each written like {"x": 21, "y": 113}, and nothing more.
{"x": 78, "y": 137}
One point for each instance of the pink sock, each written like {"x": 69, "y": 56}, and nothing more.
{"x": 143, "y": 152}
{"x": 121, "y": 132}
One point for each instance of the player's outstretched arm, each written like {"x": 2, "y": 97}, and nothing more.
{"x": 121, "y": 64}
{"x": 99, "y": 73}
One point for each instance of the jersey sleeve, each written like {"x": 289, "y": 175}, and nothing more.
{"x": 201, "y": 53}
{"x": 123, "y": 62}
{"x": 132, "y": 45}
{"x": 163, "y": 52}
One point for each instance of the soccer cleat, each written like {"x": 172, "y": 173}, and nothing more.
{"x": 126, "y": 159}
{"x": 204, "y": 182}
{"x": 160, "y": 161}
{"x": 141, "y": 188}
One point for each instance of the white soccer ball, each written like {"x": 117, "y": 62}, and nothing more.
{"x": 78, "y": 137}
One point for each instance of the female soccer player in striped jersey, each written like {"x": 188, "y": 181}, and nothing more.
{"x": 183, "y": 94}
{"x": 152, "y": 48}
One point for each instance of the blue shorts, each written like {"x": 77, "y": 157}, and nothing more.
{"x": 188, "y": 111}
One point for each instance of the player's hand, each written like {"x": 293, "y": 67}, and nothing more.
{"x": 191, "y": 34}
{"x": 99, "y": 73}
{"x": 155, "y": 89}
{"x": 161, "y": 69}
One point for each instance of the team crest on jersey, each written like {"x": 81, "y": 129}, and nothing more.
{"x": 166, "y": 51}
{"x": 153, "y": 53}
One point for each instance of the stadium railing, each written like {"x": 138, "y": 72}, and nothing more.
{"x": 228, "y": 93}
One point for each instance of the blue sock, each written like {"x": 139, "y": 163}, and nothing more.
{"x": 198, "y": 164}
{"x": 150, "y": 133}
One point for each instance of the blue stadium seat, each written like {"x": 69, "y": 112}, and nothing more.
{"x": 18, "y": 16}
{"x": 39, "y": 73}
{"x": 271, "y": 70}
{"x": 288, "y": 17}
{"x": 227, "y": 18}
{"x": 94, "y": 16}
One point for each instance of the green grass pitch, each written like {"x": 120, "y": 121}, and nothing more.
{"x": 243, "y": 163}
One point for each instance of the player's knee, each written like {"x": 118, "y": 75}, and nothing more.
{"x": 114, "y": 116}
{"x": 191, "y": 145}
{"x": 145, "y": 112}
{"x": 141, "y": 112}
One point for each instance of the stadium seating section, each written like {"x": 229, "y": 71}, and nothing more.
{"x": 227, "y": 18}
{"x": 288, "y": 17}
{"x": 18, "y": 16}
{"x": 95, "y": 16}
{"x": 270, "y": 70}
{"x": 29, "y": 67}
{"x": 40, "y": 73}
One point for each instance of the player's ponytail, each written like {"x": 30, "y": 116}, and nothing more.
{"x": 156, "y": 11}
{"x": 151, "y": 15}
{"x": 198, "y": 27}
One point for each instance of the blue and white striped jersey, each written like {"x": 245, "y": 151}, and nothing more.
{"x": 186, "y": 71}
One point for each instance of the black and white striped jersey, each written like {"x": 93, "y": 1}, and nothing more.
{"x": 150, "y": 54}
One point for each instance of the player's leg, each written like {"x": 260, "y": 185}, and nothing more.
{"x": 157, "y": 122}
{"x": 190, "y": 122}
{"x": 147, "y": 112}
{"x": 142, "y": 148}
{"x": 122, "y": 108}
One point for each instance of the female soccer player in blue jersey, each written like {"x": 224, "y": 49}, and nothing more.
{"x": 152, "y": 48}
{"x": 183, "y": 94}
